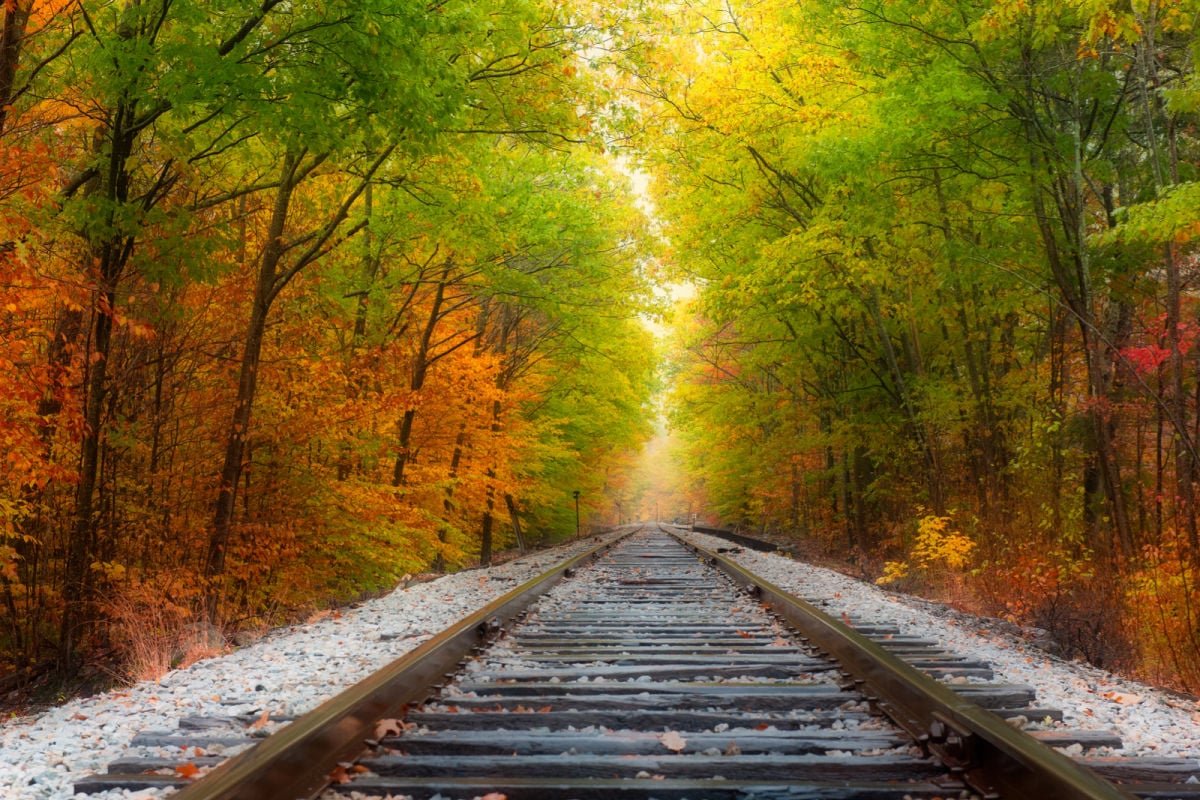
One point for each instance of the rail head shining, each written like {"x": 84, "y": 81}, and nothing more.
{"x": 296, "y": 762}
{"x": 991, "y": 756}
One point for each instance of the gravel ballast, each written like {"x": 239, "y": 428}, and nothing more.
{"x": 294, "y": 669}
{"x": 1150, "y": 722}
{"x": 288, "y": 672}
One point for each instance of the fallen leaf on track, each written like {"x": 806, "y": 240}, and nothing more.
{"x": 259, "y": 723}
{"x": 673, "y": 741}
{"x": 388, "y": 727}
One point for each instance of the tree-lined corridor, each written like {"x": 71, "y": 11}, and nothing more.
{"x": 302, "y": 298}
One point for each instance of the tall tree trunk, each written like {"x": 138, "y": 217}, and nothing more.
{"x": 273, "y": 277}
{"x": 986, "y": 437}
{"x": 420, "y": 368}
{"x": 507, "y": 323}
{"x": 355, "y": 382}
{"x": 930, "y": 453}
{"x": 1071, "y": 274}
{"x": 239, "y": 426}
{"x": 522, "y": 546}
{"x": 460, "y": 442}
{"x": 106, "y": 260}
{"x": 1184, "y": 445}
{"x": 12, "y": 42}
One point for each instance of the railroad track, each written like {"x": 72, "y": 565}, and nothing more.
{"x": 655, "y": 674}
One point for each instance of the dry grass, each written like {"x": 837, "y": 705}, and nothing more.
{"x": 152, "y": 636}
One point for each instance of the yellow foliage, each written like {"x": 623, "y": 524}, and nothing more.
{"x": 937, "y": 549}
{"x": 892, "y": 571}
{"x": 937, "y": 545}
{"x": 1165, "y": 589}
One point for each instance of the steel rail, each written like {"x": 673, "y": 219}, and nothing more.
{"x": 990, "y": 755}
{"x": 296, "y": 762}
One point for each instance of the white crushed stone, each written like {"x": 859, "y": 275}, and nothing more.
{"x": 294, "y": 669}
{"x": 288, "y": 672}
{"x": 1150, "y": 722}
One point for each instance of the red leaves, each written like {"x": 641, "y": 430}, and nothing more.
{"x": 1146, "y": 360}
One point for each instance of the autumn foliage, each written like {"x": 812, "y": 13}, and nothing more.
{"x": 945, "y": 261}
{"x": 296, "y": 301}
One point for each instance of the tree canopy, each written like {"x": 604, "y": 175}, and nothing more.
{"x": 944, "y": 256}
{"x": 299, "y": 299}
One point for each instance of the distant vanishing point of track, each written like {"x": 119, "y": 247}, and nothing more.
{"x": 645, "y": 669}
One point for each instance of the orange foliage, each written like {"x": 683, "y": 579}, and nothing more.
{"x": 1164, "y": 603}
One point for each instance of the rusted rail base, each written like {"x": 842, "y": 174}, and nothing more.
{"x": 992, "y": 757}
{"x": 296, "y": 761}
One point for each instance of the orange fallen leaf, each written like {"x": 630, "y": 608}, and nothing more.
{"x": 188, "y": 770}
{"x": 261, "y": 722}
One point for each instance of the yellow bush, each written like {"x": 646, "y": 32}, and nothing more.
{"x": 937, "y": 545}
{"x": 937, "y": 549}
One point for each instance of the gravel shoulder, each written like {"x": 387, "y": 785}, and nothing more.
{"x": 1150, "y": 721}
{"x": 292, "y": 670}
{"x": 288, "y": 672}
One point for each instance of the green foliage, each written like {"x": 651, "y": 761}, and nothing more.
{"x": 932, "y": 245}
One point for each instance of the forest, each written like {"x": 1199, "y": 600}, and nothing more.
{"x": 945, "y": 318}
{"x": 301, "y": 300}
